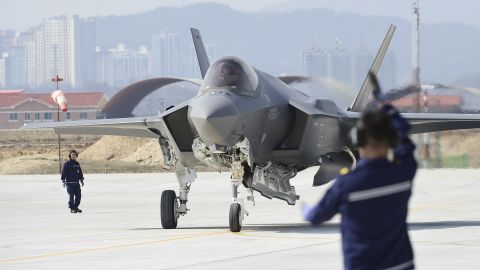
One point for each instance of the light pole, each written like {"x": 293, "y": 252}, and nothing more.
{"x": 56, "y": 97}
{"x": 417, "y": 84}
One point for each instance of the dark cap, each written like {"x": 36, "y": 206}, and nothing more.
{"x": 71, "y": 152}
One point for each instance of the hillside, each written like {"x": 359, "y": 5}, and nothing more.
{"x": 274, "y": 41}
{"x": 36, "y": 152}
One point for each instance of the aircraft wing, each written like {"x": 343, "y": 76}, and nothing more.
{"x": 432, "y": 122}
{"x": 172, "y": 125}
{"x": 133, "y": 127}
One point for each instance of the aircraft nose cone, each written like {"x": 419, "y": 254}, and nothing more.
{"x": 214, "y": 117}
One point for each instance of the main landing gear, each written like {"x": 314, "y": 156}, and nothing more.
{"x": 171, "y": 206}
{"x": 169, "y": 209}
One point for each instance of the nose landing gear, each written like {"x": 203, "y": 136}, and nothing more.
{"x": 237, "y": 207}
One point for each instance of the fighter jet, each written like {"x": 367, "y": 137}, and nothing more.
{"x": 257, "y": 127}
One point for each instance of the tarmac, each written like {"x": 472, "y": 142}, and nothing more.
{"x": 120, "y": 227}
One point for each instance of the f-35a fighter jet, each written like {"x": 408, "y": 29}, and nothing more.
{"x": 256, "y": 126}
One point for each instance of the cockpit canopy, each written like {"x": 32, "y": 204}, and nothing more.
{"x": 231, "y": 74}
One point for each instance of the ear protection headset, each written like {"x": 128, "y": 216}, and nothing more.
{"x": 71, "y": 152}
{"x": 358, "y": 134}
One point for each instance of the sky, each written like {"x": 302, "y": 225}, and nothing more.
{"x": 22, "y": 14}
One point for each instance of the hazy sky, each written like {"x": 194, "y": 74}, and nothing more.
{"x": 22, "y": 14}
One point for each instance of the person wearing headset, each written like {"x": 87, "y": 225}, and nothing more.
{"x": 72, "y": 177}
{"x": 373, "y": 197}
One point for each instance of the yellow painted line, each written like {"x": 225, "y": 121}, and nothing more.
{"x": 80, "y": 251}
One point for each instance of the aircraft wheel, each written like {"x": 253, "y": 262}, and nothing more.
{"x": 234, "y": 217}
{"x": 168, "y": 209}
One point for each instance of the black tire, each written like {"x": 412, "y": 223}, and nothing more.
{"x": 168, "y": 205}
{"x": 234, "y": 217}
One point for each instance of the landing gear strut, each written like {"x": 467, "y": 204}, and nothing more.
{"x": 171, "y": 206}
{"x": 237, "y": 209}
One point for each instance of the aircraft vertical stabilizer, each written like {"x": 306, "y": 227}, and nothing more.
{"x": 361, "y": 100}
{"x": 202, "y": 56}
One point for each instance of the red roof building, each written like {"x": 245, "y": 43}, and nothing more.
{"x": 18, "y": 107}
{"x": 436, "y": 103}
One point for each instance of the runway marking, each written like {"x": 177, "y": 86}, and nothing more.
{"x": 80, "y": 251}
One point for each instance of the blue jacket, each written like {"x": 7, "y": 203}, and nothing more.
{"x": 373, "y": 201}
{"x": 71, "y": 172}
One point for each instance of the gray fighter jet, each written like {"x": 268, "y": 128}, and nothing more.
{"x": 256, "y": 126}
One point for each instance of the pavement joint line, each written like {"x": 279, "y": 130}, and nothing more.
{"x": 423, "y": 207}
{"x": 87, "y": 250}
{"x": 287, "y": 237}
{"x": 450, "y": 243}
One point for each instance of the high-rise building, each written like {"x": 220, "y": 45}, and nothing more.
{"x": 14, "y": 58}
{"x": 347, "y": 68}
{"x": 63, "y": 45}
{"x": 192, "y": 69}
{"x": 67, "y": 45}
{"x": 104, "y": 59}
{"x": 166, "y": 55}
{"x": 335, "y": 64}
{"x": 362, "y": 60}
{"x": 58, "y": 50}
{"x": 340, "y": 66}
{"x": 3, "y": 79}
{"x": 15, "y": 71}
{"x": 119, "y": 67}
{"x": 7, "y": 39}
{"x": 85, "y": 61}
{"x": 315, "y": 62}
{"x": 388, "y": 72}
{"x": 39, "y": 58}
{"x": 141, "y": 64}
{"x": 30, "y": 62}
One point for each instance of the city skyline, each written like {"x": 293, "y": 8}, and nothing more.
{"x": 60, "y": 45}
{"x": 65, "y": 45}
{"x": 271, "y": 42}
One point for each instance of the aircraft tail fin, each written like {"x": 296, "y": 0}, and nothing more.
{"x": 202, "y": 56}
{"x": 361, "y": 100}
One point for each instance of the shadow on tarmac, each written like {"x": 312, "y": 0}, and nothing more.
{"x": 327, "y": 228}
{"x": 280, "y": 228}
{"x": 435, "y": 225}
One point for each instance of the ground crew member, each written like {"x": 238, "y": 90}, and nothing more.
{"x": 373, "y": 197}
{"x": 72, "y": 176}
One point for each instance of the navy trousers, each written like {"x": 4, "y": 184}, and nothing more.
{"x": 75, "y": 193}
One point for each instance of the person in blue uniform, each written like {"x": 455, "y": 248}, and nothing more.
{"x": 72, "y": 177}
{"x": 373, "y": 197}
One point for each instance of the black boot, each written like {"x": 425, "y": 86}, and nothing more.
{"x": 73, "y": 210}
{"x": 78, "y": 210}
